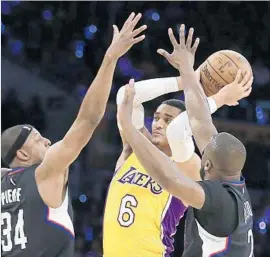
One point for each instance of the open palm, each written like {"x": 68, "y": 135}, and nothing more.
{"x": 183, "y": 54}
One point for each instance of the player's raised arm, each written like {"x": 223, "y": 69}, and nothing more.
{"x": 200, "y": 118}
{"x": 158, "y": 165}
{"x": 64, "y": 152}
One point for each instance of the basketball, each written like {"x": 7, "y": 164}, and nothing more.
{"x": 220, "y": 69}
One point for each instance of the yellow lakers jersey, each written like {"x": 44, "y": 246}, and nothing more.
{"x": 140, "y": 217}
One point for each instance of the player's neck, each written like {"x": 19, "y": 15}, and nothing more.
{"x": 17, "y": 163}
{"x": 232, "y": 178}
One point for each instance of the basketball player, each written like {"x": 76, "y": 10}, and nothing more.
{"x": 36, "y": 214}
{"x": 138, "y": 211}
{"x": 219, "y": 221}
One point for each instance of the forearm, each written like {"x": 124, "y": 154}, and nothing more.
{"x": 94, "y": 104}
{"x": 150, "y": 89}
{"x": 153, "y": 160}
{"x": 198, "y": 110}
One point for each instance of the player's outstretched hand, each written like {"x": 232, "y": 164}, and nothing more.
{"x": 124, "y": 112}
{"x": 124, "y": 39}
{"x": 237, "y": 90}
{"x": 183, "y": 55}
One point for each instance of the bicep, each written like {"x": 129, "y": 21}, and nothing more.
{"x": 57, "y": 160}
{"x": 202, "y": 132}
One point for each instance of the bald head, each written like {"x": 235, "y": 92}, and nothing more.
{"x": 226, "y": 153}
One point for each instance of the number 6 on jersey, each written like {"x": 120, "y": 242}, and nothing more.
{"x": 126, "y": 216}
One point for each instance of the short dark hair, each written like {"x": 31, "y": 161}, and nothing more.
{"x": 8, "y": 138}
{"x": 227, "y": 153}
{"x": 176, "y": 103}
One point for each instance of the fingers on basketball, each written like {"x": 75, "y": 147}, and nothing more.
{"x": 245, "y": 84}
{"x": 238, "y": 77}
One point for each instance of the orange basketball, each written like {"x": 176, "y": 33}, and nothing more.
{"x": 220, "y": 69}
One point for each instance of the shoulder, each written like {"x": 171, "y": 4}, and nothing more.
{"x": 217, "y": 196}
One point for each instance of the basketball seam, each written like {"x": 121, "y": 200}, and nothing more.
{"x": 216, "y": 71}
{"x": 232, "y": 61}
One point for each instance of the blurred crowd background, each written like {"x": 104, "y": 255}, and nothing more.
{"x": 51, "y": 52}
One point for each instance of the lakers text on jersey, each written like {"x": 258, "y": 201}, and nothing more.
{"x": 140, "y": 217}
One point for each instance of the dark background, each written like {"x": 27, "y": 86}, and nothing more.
{"x": 63, "y": 43}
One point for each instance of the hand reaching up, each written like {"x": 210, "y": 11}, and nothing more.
{"x": 183, "y": 55}
{"x": 124, "y": 39}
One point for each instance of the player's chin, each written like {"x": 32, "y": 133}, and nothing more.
{"x": 157, "y": 139}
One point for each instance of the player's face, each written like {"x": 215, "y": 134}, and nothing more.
{"x": 162, "y": 118}
{"x": 36, "y": 146}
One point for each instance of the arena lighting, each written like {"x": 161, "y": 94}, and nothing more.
{"x": 155, "y": 16}
{"x": 262, "y": 225}
{"x": 79, "y": 54}
{"x": 79, "y": 45}
{"x": 79, "y": 48}
{"x": 125, "y": 66}
{"x": 82, "y": 91}
{"x": 3, "y": 28}
{"x": 89, "y": 31}
{"x": 83, "y": 198}
{"x": 259, "y": 115}
{"x": 89, "y": 234}
{"x": 16, "y": 47}
{"x": 152, "y": 14}
{"x": 267, "y": 215}
{"x": 47, "y": 15}
{"x": 93, "y": 28}
{"x": 5, "y": 8}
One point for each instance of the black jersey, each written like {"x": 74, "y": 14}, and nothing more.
{"x": 29, "y": 228}
{"x": 200, "y": 243}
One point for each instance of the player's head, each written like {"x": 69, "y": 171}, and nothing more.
{"x": 164, "y": 114}
{"x": 22, "y": 145}
{"x": 223, "y": 157}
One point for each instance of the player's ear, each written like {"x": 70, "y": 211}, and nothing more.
{"x": 208, "y": 165}
{"x": 22, "y": 155}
